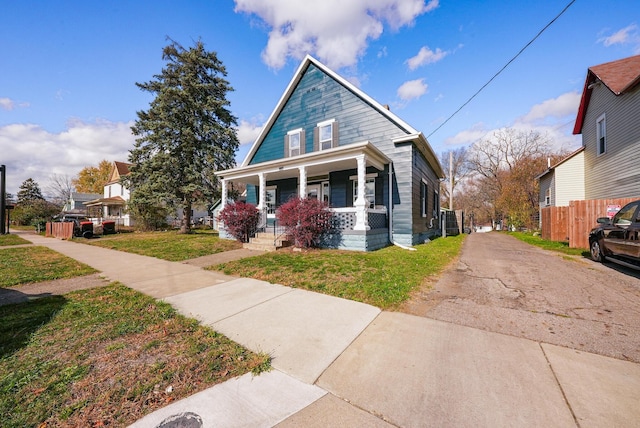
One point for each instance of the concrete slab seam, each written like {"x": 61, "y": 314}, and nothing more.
{"x": 345, "y": 348}
{"x": 564, "y": 396}
{"x": 253, "y": 306}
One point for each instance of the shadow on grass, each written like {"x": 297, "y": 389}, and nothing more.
{"x": 21, "y": 320}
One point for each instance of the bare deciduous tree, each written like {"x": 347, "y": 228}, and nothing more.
{"x": 505, "y": 166}
{"x": 460, "y": 169}
{"x": 59, "y": 188}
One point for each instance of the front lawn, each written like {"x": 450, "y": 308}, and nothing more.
{"x": 106, "y": 357}
{"x": 12, "y": 240}
{"x": 170, "y": 245}
{"x": 383, "y": 278}
{"x": 34, "y": 264}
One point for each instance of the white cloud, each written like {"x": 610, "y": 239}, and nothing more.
{"x": 426, "y": 56}
{"x": 248, "y": 131}
{"x": 6, "y": 103}
{"x": 336, "y": 31}
{"x": 562, "y": 106}
{"x": 412, "y": 89}
{"x": 553, "y": 118}
{"x": 29, "y": 151}
{"x": 9, "y": 104}
{"x": 468, "y": 136}
{"x": 628, "y": 34}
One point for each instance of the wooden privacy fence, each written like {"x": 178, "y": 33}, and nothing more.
{"x": 574, "y": 222}
{"x": 62, "y": 230}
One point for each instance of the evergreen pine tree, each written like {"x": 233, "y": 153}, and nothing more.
{"x": 185, "y": 136}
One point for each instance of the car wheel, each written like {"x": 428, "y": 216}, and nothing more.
{"x": 596, "y": 251}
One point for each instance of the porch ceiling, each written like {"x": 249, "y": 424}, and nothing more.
{"x": 316, "y": 163}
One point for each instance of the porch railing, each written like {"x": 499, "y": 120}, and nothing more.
{"x": 345, "y": 218}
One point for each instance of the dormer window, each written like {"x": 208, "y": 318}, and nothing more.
{"x": 294, "y": 142}
{"x": 326, "y": 134}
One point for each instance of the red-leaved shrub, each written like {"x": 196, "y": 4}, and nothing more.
{"x": 240, "y": 220}
{"x": 305, "y": 220}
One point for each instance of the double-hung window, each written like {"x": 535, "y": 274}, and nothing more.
{"x": 325, "y": 134}
{"x": 295, "y": 142}
{"x": 423, "y": 198}
{"x": 601, "y": 133}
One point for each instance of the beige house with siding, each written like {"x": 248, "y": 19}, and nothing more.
{"x": 607, "y": 166}
{"x": 563, "y": 182}
{"x": 609, "y": 121}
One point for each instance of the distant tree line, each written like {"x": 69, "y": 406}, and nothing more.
{"x": 494, "y": 180}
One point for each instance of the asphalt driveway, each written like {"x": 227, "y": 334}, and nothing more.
{"x": 503, "y": 285}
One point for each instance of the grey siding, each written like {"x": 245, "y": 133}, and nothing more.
{"x": 616, "y": 173}
{"x": 547, "y": 182}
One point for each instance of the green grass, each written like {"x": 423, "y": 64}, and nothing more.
{"x": 384, "y": 278}
{"x": 170, "y": 246}
{"x": 560, "y": 247}
{"x": 105, "y": 357}
{"x": 34, "y": 264}
{"x": 12, "y": 240}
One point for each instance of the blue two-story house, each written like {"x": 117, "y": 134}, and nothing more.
{"x": 327, "y": 139}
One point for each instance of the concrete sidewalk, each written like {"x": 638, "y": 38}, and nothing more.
{"x": 343, "y": 363}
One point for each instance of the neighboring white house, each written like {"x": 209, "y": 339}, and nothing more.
{"x": 115, "y": 197}
{"x": 563, "y": 182}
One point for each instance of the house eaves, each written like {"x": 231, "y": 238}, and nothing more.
{"x": 308, "y": 60}
{"x": 342, "y": 154}
{"x": 618, "y": 76}
{"x": 553, "y": 167}
{"x": 423, "y": 145}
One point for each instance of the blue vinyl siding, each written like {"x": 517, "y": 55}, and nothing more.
{"x": 318, "y": 97}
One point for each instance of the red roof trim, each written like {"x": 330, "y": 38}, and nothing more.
{"x": 618, "y": 76}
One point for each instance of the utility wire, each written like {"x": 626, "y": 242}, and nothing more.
{"x": 502, "y": 69}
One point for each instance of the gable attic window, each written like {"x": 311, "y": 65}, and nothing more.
{"x": 326, "y": 135}
{"x": 294, "y": 143}
{"x": 601, "y": 132}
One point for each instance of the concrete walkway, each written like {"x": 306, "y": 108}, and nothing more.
{"x": 342, "y": 363}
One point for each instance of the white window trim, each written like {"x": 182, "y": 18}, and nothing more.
{"x": 299, "y": 133}
{"x": 424, "y": 202}
{"x": 602, "y": 118}
{"x": 320, "y": 126}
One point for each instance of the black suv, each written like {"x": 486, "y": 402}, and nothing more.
{"x": 618, "y": 239}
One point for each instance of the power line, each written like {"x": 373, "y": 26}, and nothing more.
{"x": 502, "y": 69}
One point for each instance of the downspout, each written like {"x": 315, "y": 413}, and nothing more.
{"x": 391, "y": 211}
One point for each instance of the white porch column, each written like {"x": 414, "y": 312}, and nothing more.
{"x": 224, "y": 194}
{"x": 361, "y": 204}
{"x": 263, "y": 191}
{"x": 303, "y": 182}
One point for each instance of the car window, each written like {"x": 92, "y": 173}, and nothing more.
{"x": 626, "y": 215}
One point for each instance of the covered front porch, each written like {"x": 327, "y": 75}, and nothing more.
{"x": 351, "y": 179}
{"x": 112, "y": 209}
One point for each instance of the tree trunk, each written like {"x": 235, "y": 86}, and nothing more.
{"x": 185, "y": 226}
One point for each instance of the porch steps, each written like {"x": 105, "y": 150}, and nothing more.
{"x": 264, "y": 241}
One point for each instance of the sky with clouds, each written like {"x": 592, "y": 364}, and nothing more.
{"x": 68, "y": 96}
